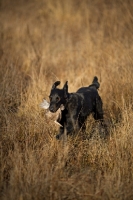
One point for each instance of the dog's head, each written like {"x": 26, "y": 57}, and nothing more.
{"x": 58, "y": 96}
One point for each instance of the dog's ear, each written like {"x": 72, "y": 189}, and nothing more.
{"x": 65, "y": 88}
{"x": 55, "y": 84}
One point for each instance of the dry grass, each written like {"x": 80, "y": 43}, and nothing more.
{"x": 43, "y": 41}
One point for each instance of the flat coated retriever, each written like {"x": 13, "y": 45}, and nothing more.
{"x": 78, "y": 106}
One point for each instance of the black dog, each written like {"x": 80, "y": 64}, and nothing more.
{"x": 78, "y": 106}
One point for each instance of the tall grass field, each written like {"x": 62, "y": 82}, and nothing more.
{"x": 66, "y": 40}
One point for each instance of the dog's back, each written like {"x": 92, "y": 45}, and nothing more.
{"x": 94, "y": 86}
{"x": 91, "y": 92}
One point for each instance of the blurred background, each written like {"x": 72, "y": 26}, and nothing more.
{"x": 42, "y": 41}
{"x": 68, "y": 40}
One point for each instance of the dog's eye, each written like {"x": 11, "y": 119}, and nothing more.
{"x": 57, "y": 99}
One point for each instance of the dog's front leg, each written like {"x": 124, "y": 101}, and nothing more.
{"x": 62, "y": 127}
{"x": 72, "y": 125}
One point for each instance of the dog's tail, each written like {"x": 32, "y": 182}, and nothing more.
{"x": 95, "y": 83}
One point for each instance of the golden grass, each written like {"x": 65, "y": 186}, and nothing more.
{"x": 45, "y": 41}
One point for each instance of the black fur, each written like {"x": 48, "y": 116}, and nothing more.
{"x": 78, "y": 106}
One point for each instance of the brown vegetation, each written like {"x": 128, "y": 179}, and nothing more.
{"x": 48, "y": 40}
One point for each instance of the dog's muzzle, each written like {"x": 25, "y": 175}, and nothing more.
{"x": 52, "y": 109}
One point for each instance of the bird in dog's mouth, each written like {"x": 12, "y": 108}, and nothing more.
{"x": 56, "y": 117}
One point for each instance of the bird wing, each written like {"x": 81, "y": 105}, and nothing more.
{"x": 44, "y": 104}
